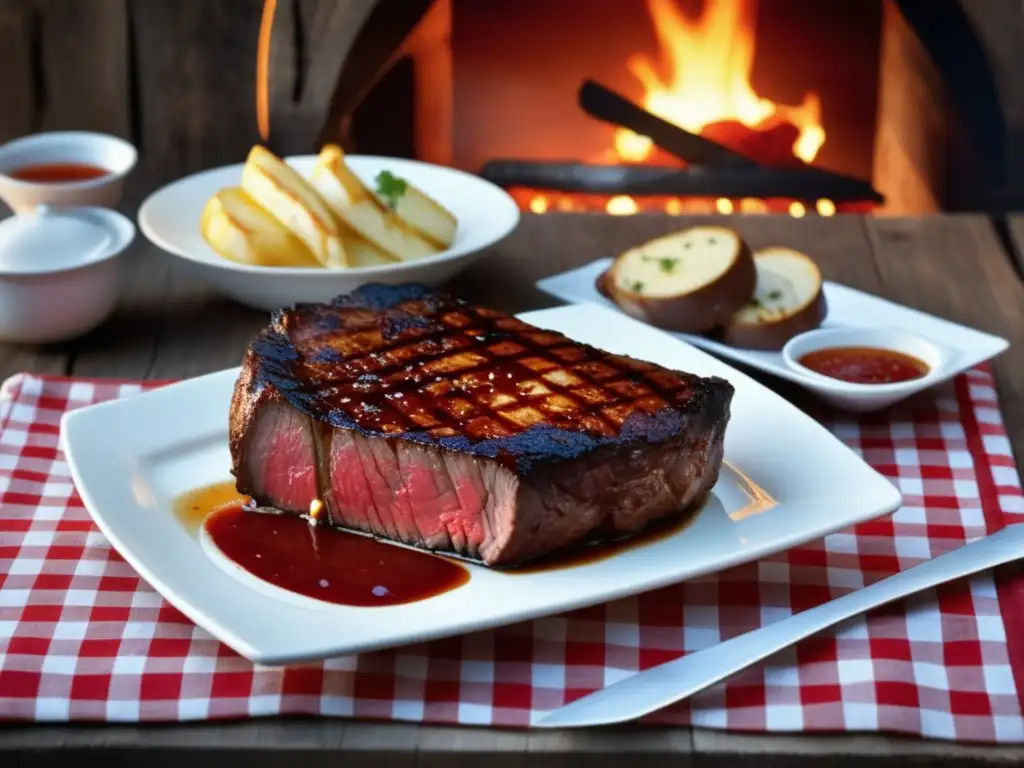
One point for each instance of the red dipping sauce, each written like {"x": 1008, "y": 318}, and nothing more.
{"x": 865, "y": 365}
{"x": 57, "y": 173}
{"x": 328, "y": 564}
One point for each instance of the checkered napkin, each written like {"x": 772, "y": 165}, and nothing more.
{"x": 82, "y": 637}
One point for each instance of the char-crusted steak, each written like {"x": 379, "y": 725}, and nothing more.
{"x": 418, "y": 417}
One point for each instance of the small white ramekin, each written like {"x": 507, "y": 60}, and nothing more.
{"x": 116, "y": 155}
{"x": 866, "y": 397}
{"x": 60, "y": 272}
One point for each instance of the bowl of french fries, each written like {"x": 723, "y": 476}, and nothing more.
{"x": 271, "y": 232}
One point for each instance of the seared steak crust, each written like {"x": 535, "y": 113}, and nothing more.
{"x": 419, "y": 417}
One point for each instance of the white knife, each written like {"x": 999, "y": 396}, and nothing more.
{"x": 676, "y": 680}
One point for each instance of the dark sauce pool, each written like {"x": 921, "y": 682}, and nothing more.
{"x": 327, "y": 564}
{"x": 346, "y": 568}
{"x": 315, "y": 560}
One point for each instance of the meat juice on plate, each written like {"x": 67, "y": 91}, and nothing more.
{"x": 298, "y": 554}
{"x": 302, "y": 556}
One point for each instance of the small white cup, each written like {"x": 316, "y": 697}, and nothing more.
{"x": 115, "y": 155}
{"x": 60, "y": 273}
{"x": 866, "y": 397}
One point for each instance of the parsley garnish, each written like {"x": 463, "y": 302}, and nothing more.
{"x": 775, "y": 295}
{"x": 390, "y": 188}
{"x": 636, "y": 286}
{"x": 667, "y": 265}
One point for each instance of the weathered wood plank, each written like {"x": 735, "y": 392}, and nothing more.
{"x": 19, "y": 114}
{"x": 209, "y": 334}
{"x": 611, "y": 747}
{"x": 23, "y": 358}
{"x": 167, "y": 326}
{"x": 125, "y": 346}
{"x": 196, "y": 75}
{"x": 442, "y": 746}
{"x": 748, "y": 750}
{"x": 390, "y": 745}
{"x": 323, "y": 51}
{"x": 999, "y": 27}
{"x": 84, "y": 47}
{"x": 956, "y": 268}
{"x": 1014, "y": 224}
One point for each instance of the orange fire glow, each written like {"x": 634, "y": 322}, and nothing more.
{"x": 701, "y": 82}
{"x": 263, "y": 69}
{"x": 709, "y": 61}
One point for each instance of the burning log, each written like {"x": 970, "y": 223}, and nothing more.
{"x": 712, "y": 169}
{"x": 609, "y": 106}
{"x": 806, "y": 184}
{"x": 771, "y": 145}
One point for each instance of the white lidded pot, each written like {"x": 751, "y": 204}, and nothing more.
{"x": 60, "y": 275}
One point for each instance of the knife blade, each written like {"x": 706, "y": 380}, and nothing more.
{"x": 665, "y": 684}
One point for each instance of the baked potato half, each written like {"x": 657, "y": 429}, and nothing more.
{"x": 284, "y": 194}
{"x": 416, "y": 208}
{"x": 689, "y": 281}
{"x": 239, "y": 229}
{"x": 360, "y": 210}
{"x": 788, "y": 300}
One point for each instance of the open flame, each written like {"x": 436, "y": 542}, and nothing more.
{"x": 701, "y": 82}
{"x": 709, "y": 61}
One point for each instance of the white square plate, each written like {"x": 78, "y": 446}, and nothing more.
{"x": 846, "y": 307}
{"x": 787, "y": 481}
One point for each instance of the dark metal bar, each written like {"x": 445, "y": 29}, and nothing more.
{"x": 609, "y": 106}
{"x": 712, "y": 169}
{"x": 805, "y": 184}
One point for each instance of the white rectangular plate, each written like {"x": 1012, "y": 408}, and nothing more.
{"x": 787, "y": 481}
{"x": 846, "y": 307}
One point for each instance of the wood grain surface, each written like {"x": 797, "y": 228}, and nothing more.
{"x": 168, "y": 326}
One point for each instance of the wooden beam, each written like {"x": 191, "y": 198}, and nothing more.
{"x": 86, "y": 79}
{"x": 195, "y": 68}
{"x": 17, "y": 24}
{"x": 910, "y": 142}
{"x": 311, "y": 41}
{"x": 999, "y": 27}
{"x": 385, "y": 28}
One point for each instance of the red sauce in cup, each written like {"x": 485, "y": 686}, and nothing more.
{"x": 57, "y": 173}
{"x": 865, "y": 365}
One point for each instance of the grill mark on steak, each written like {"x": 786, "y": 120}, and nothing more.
{"x": 461, "y": 429}
{"x": 481, "y": 407}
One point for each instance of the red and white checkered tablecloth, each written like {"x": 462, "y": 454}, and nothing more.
{"x": 82, "y": 637}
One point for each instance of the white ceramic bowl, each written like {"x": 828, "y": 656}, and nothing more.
{"x": 116, "y": 155}
{"x": 65, "y": 278}
{"x": 867, "y": 397}
{"x": 170, "y": 219}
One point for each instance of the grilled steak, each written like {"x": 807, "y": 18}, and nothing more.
{"x": 418, "y": 417}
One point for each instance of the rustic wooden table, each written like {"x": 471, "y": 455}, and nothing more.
{"x": 958, "y": 267}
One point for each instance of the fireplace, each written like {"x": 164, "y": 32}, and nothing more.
{"x": 847, "y": 89}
